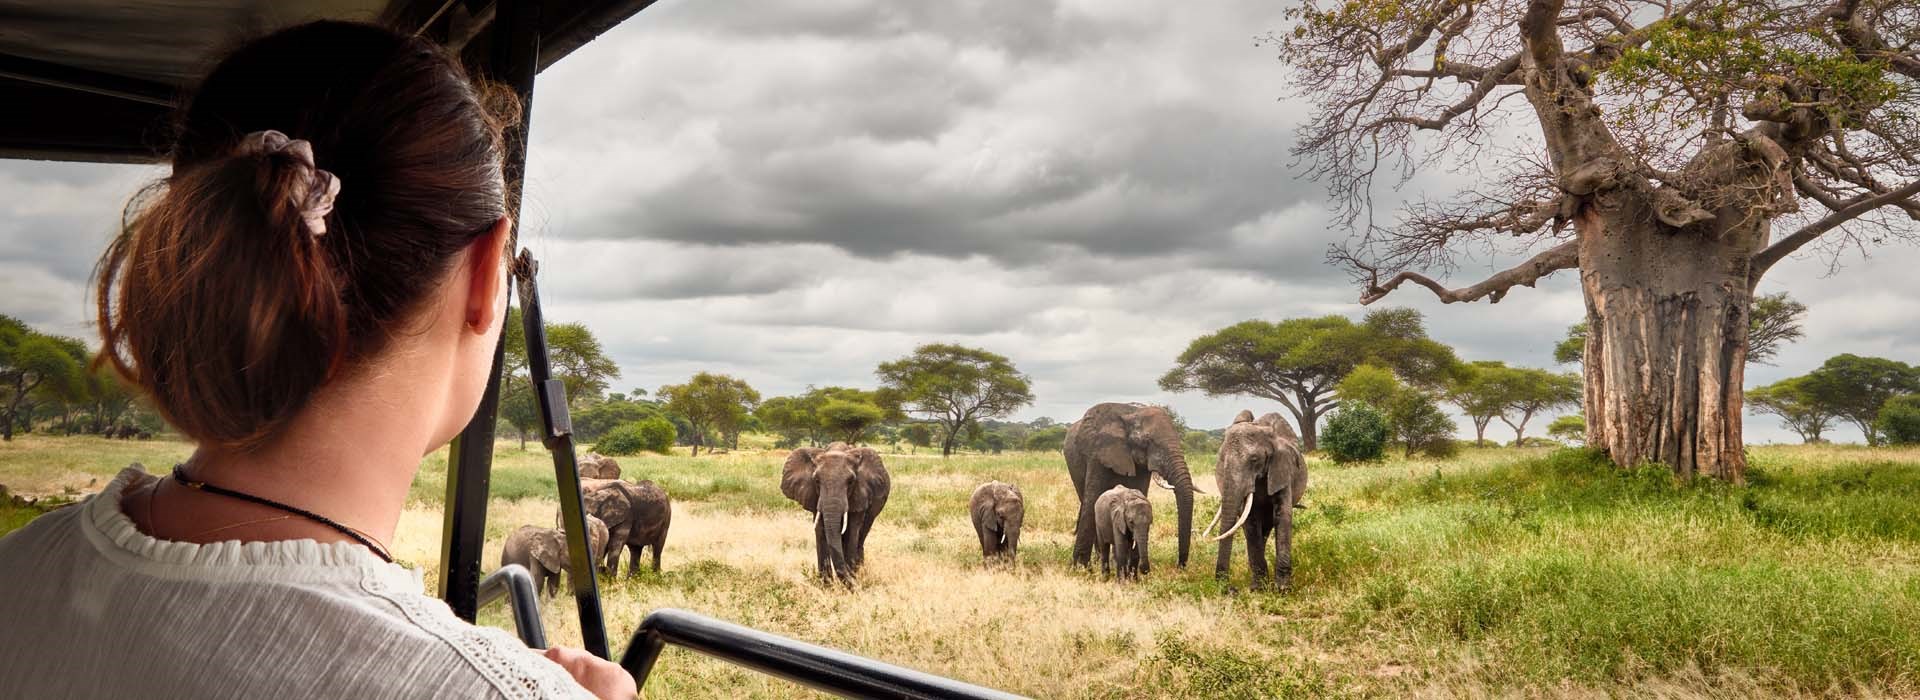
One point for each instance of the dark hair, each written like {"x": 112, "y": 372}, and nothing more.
{"x": 215, "y": 298}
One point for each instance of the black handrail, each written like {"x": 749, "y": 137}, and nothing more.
{"x": 817, "y": 667}
{"x": 523, "y": 598}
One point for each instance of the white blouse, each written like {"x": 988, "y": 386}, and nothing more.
{"x": 90, "y": 607}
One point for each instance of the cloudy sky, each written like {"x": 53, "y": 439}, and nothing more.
{"x": 794, "y": 192}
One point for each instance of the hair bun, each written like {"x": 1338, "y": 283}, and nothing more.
{"x": 313, "y": 191}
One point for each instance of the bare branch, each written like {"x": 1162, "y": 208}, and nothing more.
{"x": 1565, "y": 256}
{"x": 1794, "y": 241}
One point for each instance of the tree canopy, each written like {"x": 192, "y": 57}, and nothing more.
{"x": 32, "y": 362}
{"x": 955, "y": 386}
{"x": 711, "y": 403}
{"x": 1299, "y": 363}
{"x": 1796, "y": 406}
{"x": 575, "y": 356}
{"x": 824, "y": 414}
{"x": 1854, "y": 388}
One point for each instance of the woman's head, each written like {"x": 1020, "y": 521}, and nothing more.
{"x": 225, "y": 304}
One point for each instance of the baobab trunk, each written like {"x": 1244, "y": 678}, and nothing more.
{"x": 1667, "y": 341}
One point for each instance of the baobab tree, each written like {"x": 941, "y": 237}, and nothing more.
{"x": 1672, "y": 151}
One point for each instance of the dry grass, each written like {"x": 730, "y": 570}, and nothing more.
{"x": 1503, "y": 573}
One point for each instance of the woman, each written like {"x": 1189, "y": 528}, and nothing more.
{"x": 313, "y": 295}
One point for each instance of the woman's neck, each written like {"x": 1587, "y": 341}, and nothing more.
{"x": 350, "y": 455}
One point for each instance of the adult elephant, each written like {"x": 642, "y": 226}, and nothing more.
{"x": 1262, "y": 478}
{"x": 1122, "y": 444}
{"x": 845, "y": 488}
{"x": 637, "y": 517}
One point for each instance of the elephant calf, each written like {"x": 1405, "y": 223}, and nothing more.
{"x": 1122, "y": 517}
{"x": 998, "y": 510}
{"x": 543, "y": 551}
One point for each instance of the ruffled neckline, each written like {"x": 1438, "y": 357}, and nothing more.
{"x": 115, "y": 533}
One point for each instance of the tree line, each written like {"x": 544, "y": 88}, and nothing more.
{"x": 48, "y": 383}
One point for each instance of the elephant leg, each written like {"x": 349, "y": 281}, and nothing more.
{"x": 1083, "y": 537}
{"x": 989, "y": 542}
{"x": 1283, "y": 542}
{"x": 1256, "y": 553}
{"x": 658, "y": 545}
{"x": 1106, "y": 552}
{"x": 1223, "y": 565}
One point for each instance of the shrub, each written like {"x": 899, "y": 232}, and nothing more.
{"x": 653, "y": 434}
{"x": 1355, "y": 433}
{"x": 1443, "y": 448}
{"x": 1417, "y": 422}
{"x": 1899, "y": 421}
{"x": 1568, "y": 429}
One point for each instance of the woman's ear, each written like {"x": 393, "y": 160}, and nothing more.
{"x": 486, "y": 276}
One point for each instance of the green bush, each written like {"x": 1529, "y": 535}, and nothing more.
{"x": 654, "y": 434}
{"x": 1442, "y": 448}
{"x": 1899, "y": 421}
{"x": 1355, "y": 433}
{"x": 1568, "y": 429}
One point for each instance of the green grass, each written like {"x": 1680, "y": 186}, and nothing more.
{"x": 1500, "y": 572}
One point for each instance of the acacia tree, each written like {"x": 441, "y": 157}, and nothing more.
{"x": 1667, "y": 141}
{"x": 1854, "y": 388}
{"x": 956, "y": 386}
{"x": 1525, "y": 392}
{"x": 1300, "y": 362}
{"x": 1475, "y": 391}
{"x": 1790, "y": 400}
{"x": 710, "y": 403}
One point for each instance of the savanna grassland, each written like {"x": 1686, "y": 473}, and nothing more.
{"x": 1500, "y": 573}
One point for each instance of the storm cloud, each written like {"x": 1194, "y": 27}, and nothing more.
{"x": 793, "y": 192}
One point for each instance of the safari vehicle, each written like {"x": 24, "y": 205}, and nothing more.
{"x": 93, "y": 80}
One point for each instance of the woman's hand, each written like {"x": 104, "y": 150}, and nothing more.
{"x": 605, "y": 679}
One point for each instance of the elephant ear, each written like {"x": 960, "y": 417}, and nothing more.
{"x": 1285, "y": 468}
{"x": 867, "y": 472}
{"x": 797, "y": 481}
{"x": 550, "y": 549}
{"x": 1107, "y": 445}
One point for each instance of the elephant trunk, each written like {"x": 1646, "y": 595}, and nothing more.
{"x": 831, "y": 535}
{"x": 1173, "y": 465}
{"x": 1139, "y": 546}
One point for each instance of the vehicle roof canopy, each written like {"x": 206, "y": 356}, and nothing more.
{"x": 96, "y": 80}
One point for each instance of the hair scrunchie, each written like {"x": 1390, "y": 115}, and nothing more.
{"x": 313, "y": 194}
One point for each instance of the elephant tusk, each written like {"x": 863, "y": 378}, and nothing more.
{"x": 1003, "y": 537}
{"x": 816, "y": 519}
{"x": 1162, "y": 481}
{"x": 1244, "y": 512}
{"x": 843, "y": 526}
{"x": 1216, "y": 520}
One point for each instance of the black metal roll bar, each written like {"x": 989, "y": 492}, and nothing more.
{"x": 523, "y": 598}
{"x": 817, "y": 667}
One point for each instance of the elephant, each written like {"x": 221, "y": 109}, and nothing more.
{"x": 1118, "y": 444}
{"x": 845, "y": 488}
{"x": 1122, "y": 518}
{"x": 638, "y": 516}
{"x": 998, "y": 509}
{"x": 543, "y": 551}
{"x": 1262, "y": 477}
{"x": 598, "y": 466}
